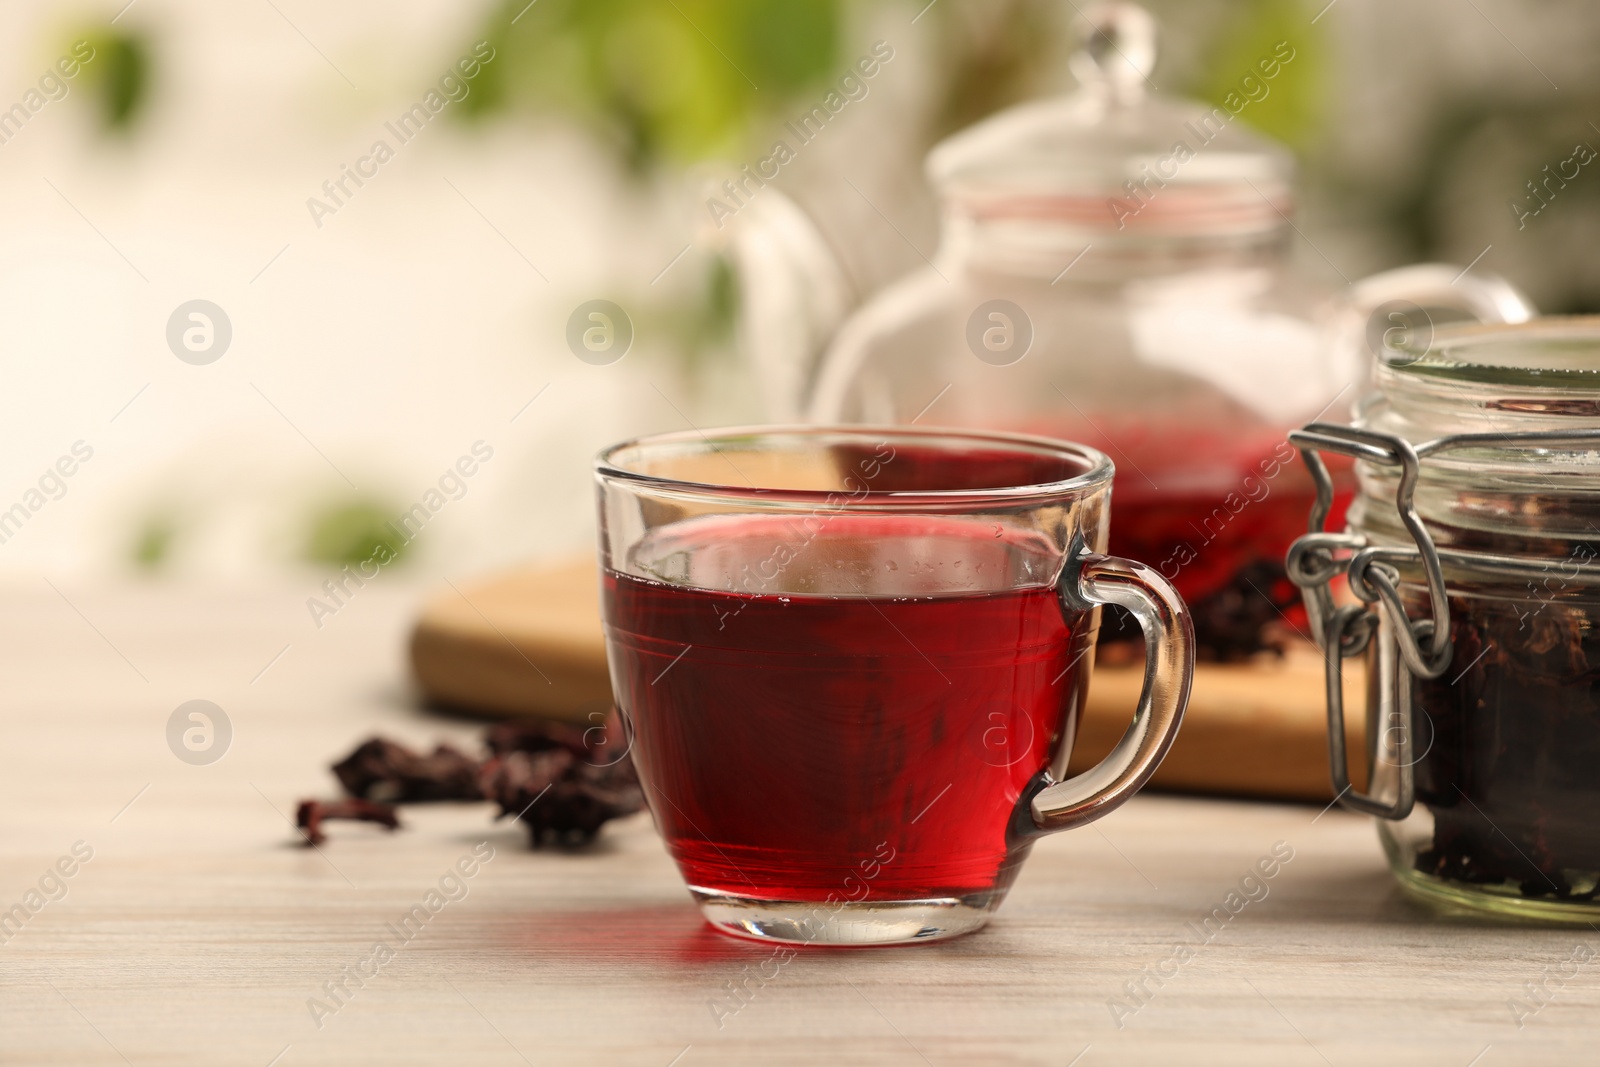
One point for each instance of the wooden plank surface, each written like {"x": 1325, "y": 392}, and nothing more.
{"x": 198, "y": 931}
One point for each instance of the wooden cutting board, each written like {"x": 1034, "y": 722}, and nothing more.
{"x": 529, "y": 642}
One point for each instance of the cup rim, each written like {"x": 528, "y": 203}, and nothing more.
{"x": 1098, "y": 468}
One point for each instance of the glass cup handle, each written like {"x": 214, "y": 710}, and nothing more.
{"x": 1089, "y": 580}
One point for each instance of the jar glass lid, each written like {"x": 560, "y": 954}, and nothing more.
{"x": 1558, "y": 353}
{"x": 1115, "y": 157}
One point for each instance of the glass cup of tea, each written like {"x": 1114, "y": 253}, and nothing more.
{"x": 852, "y": 663}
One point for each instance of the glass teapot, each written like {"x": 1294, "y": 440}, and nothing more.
{"x": 1113, "y": 269}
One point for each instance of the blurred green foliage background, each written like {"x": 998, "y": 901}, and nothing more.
{"x": 670, "y": 82}
{"x": 674, "y": 81}
{"x": 119, "y": 76}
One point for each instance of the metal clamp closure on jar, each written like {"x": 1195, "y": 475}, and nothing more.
{"x": 1423, "y": 645}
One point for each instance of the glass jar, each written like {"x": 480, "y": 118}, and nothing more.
{"x": 1114, "y": 268}
{"x": 1470, "y": 552}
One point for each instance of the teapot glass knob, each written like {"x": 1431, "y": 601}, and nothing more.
{"x": 1118, "y": 53}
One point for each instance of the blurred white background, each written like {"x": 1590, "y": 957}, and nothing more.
{"x": 390, "y": 339}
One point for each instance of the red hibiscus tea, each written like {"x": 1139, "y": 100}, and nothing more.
{"x": 852, "y": 661}
{"x": 869, "y": 738}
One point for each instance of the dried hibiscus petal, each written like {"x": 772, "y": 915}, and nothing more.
{"x": 380, "y": 769}
{"x": 312, "y": 814}
{"x": 560, "y": 798}
{"x": 535, "y": 736}
{"x": 602, "y": 741}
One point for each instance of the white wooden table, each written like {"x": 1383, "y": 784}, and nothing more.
{"x": 199, "y": 931}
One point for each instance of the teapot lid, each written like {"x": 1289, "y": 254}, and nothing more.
{"x": 1113, "y": 157}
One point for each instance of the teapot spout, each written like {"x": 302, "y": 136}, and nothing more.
{"x": 793, "y": 294}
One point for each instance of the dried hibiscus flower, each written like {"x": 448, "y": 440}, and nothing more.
{"x": 559, "y": 797}
{"x": 563, "y": 781}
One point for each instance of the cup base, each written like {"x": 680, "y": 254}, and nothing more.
{"x": 865, "y": 922}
